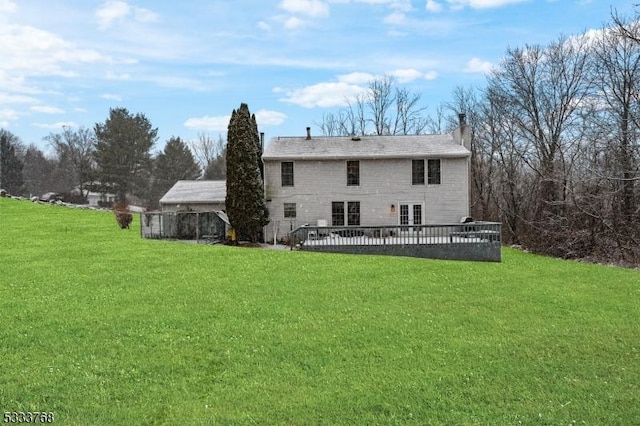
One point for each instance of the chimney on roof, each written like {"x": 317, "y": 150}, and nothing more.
{"x": 463, "y": 133}
{"x": 261, "y": 142}
{"x": 308, "y": 133}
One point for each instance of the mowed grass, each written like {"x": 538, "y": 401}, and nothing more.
{"x": 102, "y": 327}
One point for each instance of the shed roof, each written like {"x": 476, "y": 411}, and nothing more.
{"x": 363, "y": 147}
{"x": 196, "y": 192}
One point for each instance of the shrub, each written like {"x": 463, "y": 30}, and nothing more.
{"x": 123, "y": 215}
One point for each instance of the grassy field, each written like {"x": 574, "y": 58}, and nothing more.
{"x": 100, "y": 326}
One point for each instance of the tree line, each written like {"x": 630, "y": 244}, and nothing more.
{"x": 112, "y": 157}
{"x": 556, "y": 145}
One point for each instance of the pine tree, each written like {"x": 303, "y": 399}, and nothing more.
{"x": 122, "y": 152}
{"x": 175, "y": 163}
{"x": 245, "y": 203}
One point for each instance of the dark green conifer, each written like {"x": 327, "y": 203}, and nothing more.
{"x": 245, "y": 203}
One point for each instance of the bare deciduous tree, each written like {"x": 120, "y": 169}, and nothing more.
{"x": 543, "y": 88}
{"x": 75, "y": 148}
{"x": 383, "y": 109}
{"x": 617, "y": 61}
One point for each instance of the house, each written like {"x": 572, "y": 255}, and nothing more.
{"x": 99, "y": 199}
{"x": 195, "y": 195}
{"x": 366, "y": 180}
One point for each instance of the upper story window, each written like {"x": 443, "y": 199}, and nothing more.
{"x": 286, "y": 173}
{"x": 433, "y": 172}
{"x": 417, "y": 172}
{"x": 353, "y": 173}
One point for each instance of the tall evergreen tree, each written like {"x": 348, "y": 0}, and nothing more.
{"x": 175, "y": 163}
{"x": 10, "y": 163}
{"x": 122, "y": 152}
{"x": 245, "y": 203}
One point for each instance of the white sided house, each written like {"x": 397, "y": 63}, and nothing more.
{"x": 96, "y": 199}
{"x": 366, "y": 180}
{"x": 195, "y": 195}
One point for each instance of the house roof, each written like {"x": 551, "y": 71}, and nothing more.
{"x": 196, "y": 192}
{"x": 364, "y": 147}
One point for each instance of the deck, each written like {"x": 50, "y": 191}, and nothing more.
{"x": 479, "y": 241}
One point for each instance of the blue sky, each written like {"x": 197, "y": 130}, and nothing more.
{"x": 187, "y": 64}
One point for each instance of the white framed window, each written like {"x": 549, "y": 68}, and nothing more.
{"x": 289, "y": 210}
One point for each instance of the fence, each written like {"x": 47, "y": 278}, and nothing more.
{"x": 468, "y": 241}
{"x": 184, "y": 225}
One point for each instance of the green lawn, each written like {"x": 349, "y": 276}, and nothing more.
{"x": 100, "y": 326}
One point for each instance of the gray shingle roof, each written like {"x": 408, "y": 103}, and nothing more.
{"x": 196, "y": 192}
{"x": 324, "y": 148}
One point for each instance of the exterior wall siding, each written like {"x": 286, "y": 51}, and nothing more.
{"x": 383, "y": 183}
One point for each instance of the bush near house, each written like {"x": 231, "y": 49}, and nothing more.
{"x": 122, "y": 213}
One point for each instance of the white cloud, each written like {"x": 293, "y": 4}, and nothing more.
{"x": 403, "y": 5}
{"x": 477, "y": 65}
{"x": 216, "y": 123}
{"x": 119, "y": 77}
{"x": 312, "y": 8}
{"x": 269, "y": 118}
{"x": 430, "y": 75}
{"x": 264, "y": 26}
{"x": 7, "y": 6}
{"x": 46, "y": 109}
{"x": 16, "y": 83}
{"x": 145, "y": 15}
{"x": 324, "y": 95}
{"x": 293, "y": 23}
{"x": 111, "y": 97}
{"x": 56, "y": 126}
{"x": 7, "y": 115}
{"x": 39, "y": 52}
{"x": 220, "y": 123}
{"x": 396, "y": 18}
{"x": 111, "y": 11}
{"x": 433, "y": 6}
{"x": 406, "y": 75}
{"x": 356, "y": 78}
{"x": 116, "y": 11}
{"x": 6, "y": 98}
{"x": 481, "y": 4}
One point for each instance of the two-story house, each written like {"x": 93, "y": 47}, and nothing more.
{"x": 367, "y": 180}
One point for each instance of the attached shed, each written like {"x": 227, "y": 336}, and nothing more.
{"x": 195, "y": 196}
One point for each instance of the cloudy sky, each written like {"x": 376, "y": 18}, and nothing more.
{"x": 187, "y": 64}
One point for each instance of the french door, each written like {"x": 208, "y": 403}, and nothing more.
{"x": 410, "y": 214}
